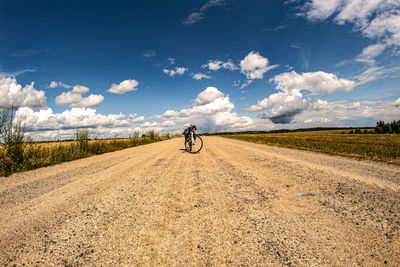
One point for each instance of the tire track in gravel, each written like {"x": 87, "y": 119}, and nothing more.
{"x": 234, "y": 203}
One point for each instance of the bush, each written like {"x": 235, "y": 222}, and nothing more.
{"x": 387, "y": 128}
{"x": 379, "y": 130}
{"x": 358, "y": 131}
{"x": 82, "y": 136}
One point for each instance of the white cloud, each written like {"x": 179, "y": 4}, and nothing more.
{"x": 149, "y": 53}
{"x": 215, "y": 65}
{"x": 171, "y": 60}
{"x": 208, "y": 96}
{"x": 396, "y": 103}
{"x": 79, "y": 89}
{"x": 370, "y": 52}
{"x": 123, "y": 87}
{"x": 176, "y": 71}
{"x": 200, "y": 14}
{"x": 149, "y": 124}
{"x": 14, "y": 74}
{"x": 199, "y": 76}
{"x": 168, "y": 123}
{"x": 254, "y": 66}
{"x": 289, "y": 102}
{"x": 317, "y": 120}
{"x": 46, "y": 119}
{"x": 211, "y": 111}
{"x": 375, "y": 19}
{"x": 315, "y": 82}
{"x": 75, "y": 100}
{"x": 134, "y": 118}
{"x": 377, "y": 72}
{"x": 55, "y": 84}
{"x": 12, "y": 93}
{"x": 386, "y": 25}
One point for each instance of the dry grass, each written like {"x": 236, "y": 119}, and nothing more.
{"x": 40, "y": 154}
{"x": 375, "y": 147}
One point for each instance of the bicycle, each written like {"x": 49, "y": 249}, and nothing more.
{"x": 193, "y": 142}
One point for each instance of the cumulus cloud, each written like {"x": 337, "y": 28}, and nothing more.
{"x": 396, "y": 103}
{"x": 289, "y": 102}
{"x": 80, "y": 89}
{"x": 215, "y": 65}
{"x": 123, "y": 87}
{"x": 211, "y": 111}
{"x": 46, "y": 119}
{"x": 75, "y": 100}
{"x": 134, "y": 118}
{"x": 176, "y": 71}
{"x": 55, "y": 84}
{"x": 254, "y": 66}
{"x": 315, "y": 82}
{"x": 12, "y": 93}
{"x": 199, "y": 76}
{"x": 200, "y": 14}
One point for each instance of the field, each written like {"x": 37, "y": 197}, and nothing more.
{"x": 377, "y": 147}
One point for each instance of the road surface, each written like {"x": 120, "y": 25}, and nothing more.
{"x": 234, "y": 203}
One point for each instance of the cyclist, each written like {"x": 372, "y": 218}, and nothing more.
{"x": 186, "y": 132}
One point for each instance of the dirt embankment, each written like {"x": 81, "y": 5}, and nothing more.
{"x": 235, "y": 203}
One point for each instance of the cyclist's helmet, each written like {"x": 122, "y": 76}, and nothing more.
{"x": 194, "y": 127}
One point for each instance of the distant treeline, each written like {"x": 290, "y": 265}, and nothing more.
{"x": 288, "y": 130}
{"x": 381, "y": 128}
{"x": 392, "y": 127}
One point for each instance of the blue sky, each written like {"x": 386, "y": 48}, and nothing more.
{"x": 225, "y": 65}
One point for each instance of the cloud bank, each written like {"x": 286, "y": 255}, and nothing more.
{"x": 12, "y": 93}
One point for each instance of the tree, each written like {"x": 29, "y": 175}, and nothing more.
{"x": 12, "y": 136}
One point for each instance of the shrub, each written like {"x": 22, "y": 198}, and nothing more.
{"x": 379, "y": 130}
{"x": 82, "y": 136}
{"x": 358, "y": 131}
{"x": 387, "y": 128}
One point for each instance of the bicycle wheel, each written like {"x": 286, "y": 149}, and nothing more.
{"x": 196, "y": 147}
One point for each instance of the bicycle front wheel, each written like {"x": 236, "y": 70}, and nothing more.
{"x": 194, "y": 147}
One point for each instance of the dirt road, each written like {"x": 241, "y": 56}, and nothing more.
{"x": 235, "y": 203}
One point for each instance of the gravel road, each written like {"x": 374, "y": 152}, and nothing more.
{"x": 234, "y": 203}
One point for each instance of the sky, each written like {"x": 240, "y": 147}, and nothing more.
{"x": 116, "y": 67}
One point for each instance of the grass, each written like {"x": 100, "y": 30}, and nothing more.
{"x": 37, "y": 154}
{"x": 377, "y": 147}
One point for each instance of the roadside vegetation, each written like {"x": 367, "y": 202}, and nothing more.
{"x": 358, "y": 143}
{"x": 18, "y": 153}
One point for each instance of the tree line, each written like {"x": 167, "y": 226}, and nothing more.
{"x": 392, "y": 127}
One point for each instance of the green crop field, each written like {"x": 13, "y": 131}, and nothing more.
{"x": 377, "y": 147}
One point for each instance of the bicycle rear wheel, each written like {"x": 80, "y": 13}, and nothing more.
{"x": 196, "y": 146}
